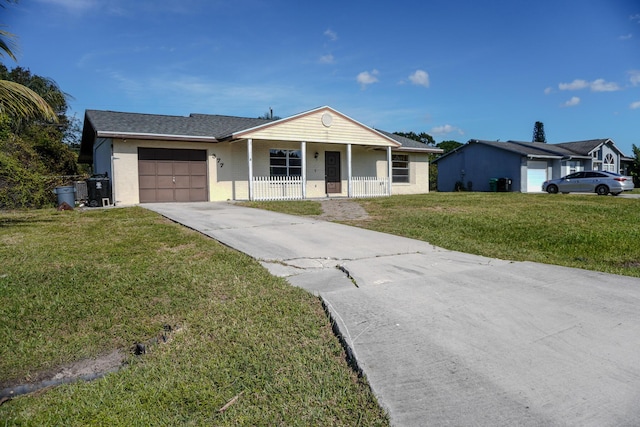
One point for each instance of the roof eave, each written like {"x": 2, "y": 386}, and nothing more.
{"x": 155, "y": 136}
{"x": 540, "y": 156}
{"x": 576, "y": 157}
{"x": 420, "y": 150}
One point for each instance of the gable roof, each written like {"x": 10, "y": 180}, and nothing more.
{"x": 201, "y": 128}
{"x": 305, "y": 126}
{"x": 565, "y": 150}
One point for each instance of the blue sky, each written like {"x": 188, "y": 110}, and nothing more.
{"x": 452, "y": 68}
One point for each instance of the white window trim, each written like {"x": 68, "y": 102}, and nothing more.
{"x": 287, "y": 164}
{"x": 394, "y": 177}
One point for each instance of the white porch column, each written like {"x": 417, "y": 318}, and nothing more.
{"x": 389, "y": 170}
{"x": 303, "y": 150}
{"x": 250, "y": 164}
{"x": 349, "y": 183}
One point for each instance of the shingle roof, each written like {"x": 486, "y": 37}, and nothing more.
{"x": 225, "y": 126}
{"x": 539, "y": 149}
{"x": 523, "y": 148}
{"x": 203, "y": 125}
{"x": 207, "y": 127}
{"x": 409, "y": 143}
{"x": 566, "y": 149}
{"x": 582, "y": 147}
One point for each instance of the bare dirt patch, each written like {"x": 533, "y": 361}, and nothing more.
{"x": 86, "y": 369}
{"x": 342, "y": 210}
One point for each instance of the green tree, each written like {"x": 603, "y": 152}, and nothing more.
{"x": 423, "y": 137}
{"x": 46, "y": 138}
{"x": 634, "y": 171}
{"x": 538, "y": 132}
{"x": 33, "y": 129}
{"x": 448, "y": 146}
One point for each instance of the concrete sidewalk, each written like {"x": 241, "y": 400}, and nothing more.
{"x": 447, "y": 338}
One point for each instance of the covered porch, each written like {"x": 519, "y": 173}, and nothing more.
{"x": 288, "y": 177}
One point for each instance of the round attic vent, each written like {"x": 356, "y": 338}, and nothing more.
{"x": 327, "y": 119}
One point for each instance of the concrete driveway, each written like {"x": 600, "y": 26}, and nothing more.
{"x": 447, "y": 338}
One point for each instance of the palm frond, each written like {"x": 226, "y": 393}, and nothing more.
{"x": 20, "y": 102}
{"x": 8, "y": 44}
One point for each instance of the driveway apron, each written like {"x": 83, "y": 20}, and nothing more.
{"x": 447, "y": 338}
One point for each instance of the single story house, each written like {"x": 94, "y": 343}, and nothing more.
{"x": 526, "y": 164}
{"x": 318, "y": 153}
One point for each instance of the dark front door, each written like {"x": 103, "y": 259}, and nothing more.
{"x": 332, "y": 172}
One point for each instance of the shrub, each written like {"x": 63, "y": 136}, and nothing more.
{"x": 23, "y": 181}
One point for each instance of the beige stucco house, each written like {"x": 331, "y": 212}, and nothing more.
{"x": 318, "y": 153}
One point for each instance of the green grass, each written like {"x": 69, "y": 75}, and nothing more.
{"x": 79, "y": 284}
{"x": 584, "y": 231}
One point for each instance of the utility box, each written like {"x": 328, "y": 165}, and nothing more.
{"x": 99, "y": 191}
{"x": 493, "y": 184}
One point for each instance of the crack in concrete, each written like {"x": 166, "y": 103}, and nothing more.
{"x": 342, "y": 268}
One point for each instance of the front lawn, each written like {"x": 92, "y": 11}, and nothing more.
{"x": 584, "y": 231}
{"x": 76, "y": 285}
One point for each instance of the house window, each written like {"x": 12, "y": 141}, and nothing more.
{"x": 285, "y": 162}
{"x": 575, "y": 166}
{"x": 400, "y": 168}
{"x": 609, "y": 163}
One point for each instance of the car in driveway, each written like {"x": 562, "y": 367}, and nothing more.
{"x": 599, "y": 182}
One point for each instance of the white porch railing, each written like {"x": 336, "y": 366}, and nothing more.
{"x": 277, "y": 187}
{"x": 370, "y": 186}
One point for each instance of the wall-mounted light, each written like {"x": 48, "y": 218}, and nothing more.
{"x": 315, "y": 156}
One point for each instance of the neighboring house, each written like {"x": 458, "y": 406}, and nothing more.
{"x": 318, "y": 153}
{"x": 526, "y": 164}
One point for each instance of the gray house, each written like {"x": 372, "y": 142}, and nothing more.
{"x": 526, "y": 165}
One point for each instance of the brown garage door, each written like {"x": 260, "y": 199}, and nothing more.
{"x": 172, "y": 175}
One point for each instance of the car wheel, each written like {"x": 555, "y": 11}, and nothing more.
{"x": 552, "y": 189}
{"x": 602, "y": 190}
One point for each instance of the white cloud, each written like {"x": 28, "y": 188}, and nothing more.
{"x": 548, "y": 90}
{"x": 332, "y": 35}
{"x": 600, "y": 85}
{"x": 626, "y": 37}
{"x": 366, "y": 78}
{"x": 445, "y": 129}
{"x": 420, "y": 78}
{"x": 635, "y": 17}
{"x": 635, "y": 105}
{"x": 75, "y": 5}
{"x": 327, "y": 59}
{"x": 574, "y": 85}
{"x": 634, "y": 77}
{"x": 572, "y": 102}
